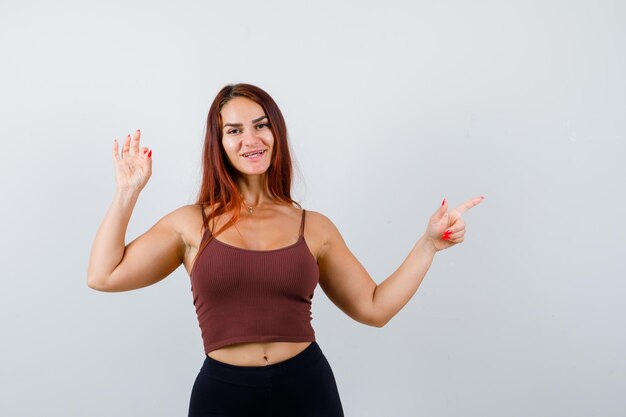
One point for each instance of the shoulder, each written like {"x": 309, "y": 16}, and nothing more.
{"x": 191, "y": 211}
{"x": 181, "y": 217}
{"x": 327, "y": 230}
{"x": 317, "y": 218}
{"x": 187, "y": 220}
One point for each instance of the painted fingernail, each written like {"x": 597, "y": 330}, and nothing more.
{"x": 150, "y": 154}
{"x": 138, "y": 130}
{"x": 443, "y": 202}
{"x": 145, "y": 150}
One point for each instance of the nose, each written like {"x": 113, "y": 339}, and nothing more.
{"x": 250, "y": 138}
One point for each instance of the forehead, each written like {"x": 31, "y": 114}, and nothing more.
{"x": 241, "y": 110}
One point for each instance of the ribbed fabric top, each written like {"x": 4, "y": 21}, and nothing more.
{"x": 245, "y": 295}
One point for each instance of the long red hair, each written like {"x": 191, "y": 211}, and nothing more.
{"x": 218, "y": 189}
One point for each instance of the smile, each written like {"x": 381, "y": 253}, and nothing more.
{"x": 255, "y": 156}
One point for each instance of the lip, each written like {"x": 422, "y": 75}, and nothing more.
{"x": 255, "y": 150}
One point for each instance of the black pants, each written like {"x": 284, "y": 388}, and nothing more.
{"x": 301, "y": 386}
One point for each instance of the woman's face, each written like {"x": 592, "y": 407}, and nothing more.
{"x": 245, "y": 128}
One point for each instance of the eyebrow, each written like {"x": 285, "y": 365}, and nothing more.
{"x": 239, "y": 124}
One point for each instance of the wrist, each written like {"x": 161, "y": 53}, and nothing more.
{"x": 426, "y": 245}
{"x": 127, "y": 195}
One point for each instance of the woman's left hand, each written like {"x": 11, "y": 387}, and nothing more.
{"x": 446, "y": 229}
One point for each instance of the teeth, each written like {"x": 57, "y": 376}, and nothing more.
{"x": 255, "y": 153}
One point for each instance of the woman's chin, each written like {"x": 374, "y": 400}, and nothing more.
{"x": 257, "y": 171}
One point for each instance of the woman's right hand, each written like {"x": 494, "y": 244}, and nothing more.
{"x": 134, "y": 168}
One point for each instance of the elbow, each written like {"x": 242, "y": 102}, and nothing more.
{"x": 370, "y": 320}
{"x": 94, "y": 284}
{"x": 377, "y": 321}
{"x": 380, "y": 323}
{"x": 378, "y": 318}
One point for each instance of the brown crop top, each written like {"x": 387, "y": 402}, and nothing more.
{"x": 244, "y": 295}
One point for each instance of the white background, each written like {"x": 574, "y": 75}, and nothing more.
{"x": 390, "y": 106}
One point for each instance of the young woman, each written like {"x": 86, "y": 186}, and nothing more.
{"x": 254, "y": 257}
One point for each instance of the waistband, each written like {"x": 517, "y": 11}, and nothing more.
{"x": 309, "y": 357}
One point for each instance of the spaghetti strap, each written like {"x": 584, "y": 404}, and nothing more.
{"x": 204, "y": 223}
{"x": 302, "y": 223}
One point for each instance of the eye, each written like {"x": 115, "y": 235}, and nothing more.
{"x": 263, "y": 124}
{"x": 232, "y": 130}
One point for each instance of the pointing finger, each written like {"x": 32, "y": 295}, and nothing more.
{"x": 462, "y": 208}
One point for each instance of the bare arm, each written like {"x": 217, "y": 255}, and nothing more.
{"x": 394, "y": 292}
{"x": 445, "y": 229}
{"x": 109, "y": 244}
{"x": 114, "y": 266}
{"x": 349, "y": 286}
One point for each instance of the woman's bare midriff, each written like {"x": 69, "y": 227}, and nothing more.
{"x": 258, "y": 354}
